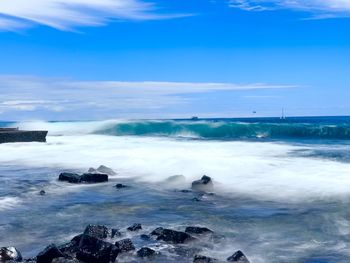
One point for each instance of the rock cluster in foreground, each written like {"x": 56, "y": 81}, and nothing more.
{"x": 95, "y": 245}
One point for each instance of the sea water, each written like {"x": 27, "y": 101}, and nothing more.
{"x": 282, "y": 187}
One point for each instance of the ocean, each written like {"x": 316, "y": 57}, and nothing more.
{"x": 281, "y": 186}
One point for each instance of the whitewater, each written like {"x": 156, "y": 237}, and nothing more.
{"x": 282, "y": 187}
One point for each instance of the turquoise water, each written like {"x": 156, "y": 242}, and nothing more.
{"x": 282, "y": 187}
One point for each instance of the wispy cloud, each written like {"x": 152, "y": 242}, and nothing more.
{"x": 67, "y": 14}
{"x": 320, "y": 9}
{"x": 21, "y": 94}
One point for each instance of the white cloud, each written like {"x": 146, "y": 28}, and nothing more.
{"x": 320, "y": 8}
{"x": 66, "y": 14}
{"x": 65, "y": 96}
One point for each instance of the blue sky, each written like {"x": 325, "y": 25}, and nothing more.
{"x": 102, "y": 59}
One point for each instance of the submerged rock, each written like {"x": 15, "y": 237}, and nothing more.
{"x": 198, "y": 230}
{"x": 48, "y": 254}
{"x": 203, "y": 259}
{"x": 172, "y": 236}
{"x": 102, "y": 169}
{"x": 106, "y": 170}
{"x": 93, "y": 250}
{"x": 135, "y": 227}
{"x": 125, "y": 245}
{"x": 205, "y": 184}
{"x": 97, "y": 231}
{"x": 94, "y": 178}
{"x": 10, "y": 253}
{"x": 176, "y": 180}
{"x": 145, "y": 237}
{"x": 238, "y": 256}
{"x": 119, "y": 186}
{"x": 69, "y": 177}
{"x": 145, "y": 252}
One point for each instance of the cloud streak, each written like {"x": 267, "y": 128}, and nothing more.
{"x": 68, "y": 14}
{"x": 319, "y": 8}
{"x": 25, "y": 94}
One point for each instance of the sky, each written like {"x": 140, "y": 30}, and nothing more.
{"x": 110, "y": 59}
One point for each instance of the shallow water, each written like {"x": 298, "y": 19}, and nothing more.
{"x": 278, "y": 201}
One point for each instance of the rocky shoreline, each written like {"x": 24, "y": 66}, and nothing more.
{"x": 101, "y": 244}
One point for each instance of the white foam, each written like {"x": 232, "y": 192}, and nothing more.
{"x": 263, "y": 170}
{"x": 7, "y": 203}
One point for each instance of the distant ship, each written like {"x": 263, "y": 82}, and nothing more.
{"x": 194, "y": 118}
{"x": 8, "y": 135}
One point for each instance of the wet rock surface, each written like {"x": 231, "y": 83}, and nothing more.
{"x": 203, "y": 259}
{"x": 135, "y": 227}
{"x": 10, "y": 253}
{"x": 74, "y": 178}
{"x": 238, "y": 256}
{"x": 172, "y": 236}
{"x": 125, "y": 245}
{"x": 205, "y": 184}
{"x": 145, "y": 252}
{"x": 96, "y": 245}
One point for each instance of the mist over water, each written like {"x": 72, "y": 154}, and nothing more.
{"x": 280, "y": 196}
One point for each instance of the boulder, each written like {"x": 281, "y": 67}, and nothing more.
{"x": 238, "y": 256}
{"x": 93, "y": 250}
{"x": 94, "y": 178}
{"x": 69, "y": 177}
{"x": 145, "y": 252}
{"x": 115, "y": 233}
{"x": 203, "y": 259}
{"x": 48, "y": 254}
{"x": 205, "y": 184}
{"x": 197, "y": 230}
{"x": 172, "y": 236}
{"x": 97, "y": 231}
{"x": 10, "y": 253}
{"x": 135, "y": 227}
{"x": 125, "y": 245}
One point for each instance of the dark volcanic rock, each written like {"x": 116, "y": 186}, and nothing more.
{"x": 94, "y": 178}
{"x": 10, "y": 253}
{"x": 115, "y": 233}
{"x": 203, "y": 259}
{"x": 93, "y": 250}
{"x": 125, "y": 245}
{"x": 119, "y": 186}
{"x": 48, "y": 254}
{"x": 172, "y": 236}
{"x": 69, "y": 177}
{"x": 238, "y": 256}
{"x": 145, "y": 252}
{"x": 205, "y": 184}
{"x": 97, "y": 231}
{"x": 135, "y": 227}
{"x": 198, "y": 230}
